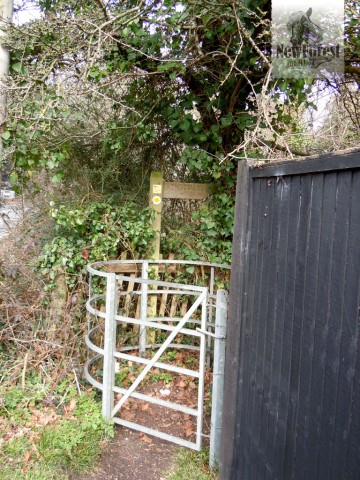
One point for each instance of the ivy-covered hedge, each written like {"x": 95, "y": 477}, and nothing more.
{"x": 92, "y": 232}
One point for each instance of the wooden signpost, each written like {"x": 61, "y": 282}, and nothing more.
{"x": 160, "y": 190}
{"x": 155, "y": 202}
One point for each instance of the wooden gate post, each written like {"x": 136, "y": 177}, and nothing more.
{"x": 155, "y": 202}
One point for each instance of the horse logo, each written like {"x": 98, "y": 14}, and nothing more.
{"x": 302, "y": 30}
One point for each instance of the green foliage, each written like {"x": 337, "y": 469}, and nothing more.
{"x": 14, "y": 468}
{"x": 170, "y": 355}
{"x": 352, "y": 29}
{"x": 74, "y": 444}
{"x": 209, "y": 236}
{"x": 12, "y": 398}
{"x": 126, "y": 375}
{"x": 191, "y": 465}
{"x": 197, "y": 56}
{"x": 92, "y": 232}
{"x": 89, "y": 410}
{"x": 16, "y": 403}
{"x": 161, "y": 377}
{"x": 49, "y": 431}
{"x": 154, "y": 87}
{"x": 190, "y": 91}
{"x": 121, "y": 377}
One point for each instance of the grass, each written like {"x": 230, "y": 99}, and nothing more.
{"x": 18, "y": 465}
{"x": 46, "y": 434}
{"x": 190, "y": 465}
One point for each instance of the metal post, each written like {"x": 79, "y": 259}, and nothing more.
{"x": 201, "y": 372}
{"x": 210, "y": 317}
{"x": 218, "y": 376}
{"x": 109, "y": 346}
{"x": 143, "y": 307}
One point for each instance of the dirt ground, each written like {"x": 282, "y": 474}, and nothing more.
{"x": 132, "y": 456}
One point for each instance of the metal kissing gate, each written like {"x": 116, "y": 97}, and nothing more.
{"x": 157, "y": 316}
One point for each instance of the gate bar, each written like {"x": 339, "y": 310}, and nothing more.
{"x": 158, "y": 401}
{"x": 156, "y": 433}
{"x": 162, "y": 365}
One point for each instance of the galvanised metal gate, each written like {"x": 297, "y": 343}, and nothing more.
{"x": 197, "y": 321}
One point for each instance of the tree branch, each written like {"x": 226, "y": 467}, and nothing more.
{"x": 261, "y": 142}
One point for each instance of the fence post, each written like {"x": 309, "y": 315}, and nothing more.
{"x": 143, "y": 307}
{"x": 218, "y": 377}
{"x": 109, "y": 346}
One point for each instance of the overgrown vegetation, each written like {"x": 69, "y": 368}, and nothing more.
{"x": 92, "y": 232}
{"x": 50, "y": 420}
{"x": 101, "y": 94}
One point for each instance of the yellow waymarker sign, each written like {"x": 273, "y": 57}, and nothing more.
{"x": 156, "y": 200}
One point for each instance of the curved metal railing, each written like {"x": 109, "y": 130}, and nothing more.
{"x": 115, "y": 305}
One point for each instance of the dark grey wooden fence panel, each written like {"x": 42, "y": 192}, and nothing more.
{"x": 292, "y": 389}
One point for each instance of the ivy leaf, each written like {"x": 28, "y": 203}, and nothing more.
{"x": 226, "y": 121}
{"x": 185, "y": 125}
{"x": 57, "y": 178}
{"x": 14, "y": 177}
{"x": 94, "y": 73}
{"x": 17, "y": 67}
{"x": 6, "y": 135}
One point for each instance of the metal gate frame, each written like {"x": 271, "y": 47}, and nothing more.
{"x": 109, "y": 353}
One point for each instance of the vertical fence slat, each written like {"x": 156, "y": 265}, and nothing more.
{"x": 334, "y": 321}
{"x": 249, "y": 336}
{"x": 260, "y": 296}
{"x": 350, "y": 349}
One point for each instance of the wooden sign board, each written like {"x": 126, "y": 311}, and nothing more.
{"x": 160, "y": 189}
{"x": 186, "y": 191}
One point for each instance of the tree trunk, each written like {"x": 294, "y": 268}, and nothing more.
{"x": 57, "y": 306}
{"x": 6, "y": 12}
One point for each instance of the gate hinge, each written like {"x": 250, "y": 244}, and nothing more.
{"x": 204, "y": 332}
